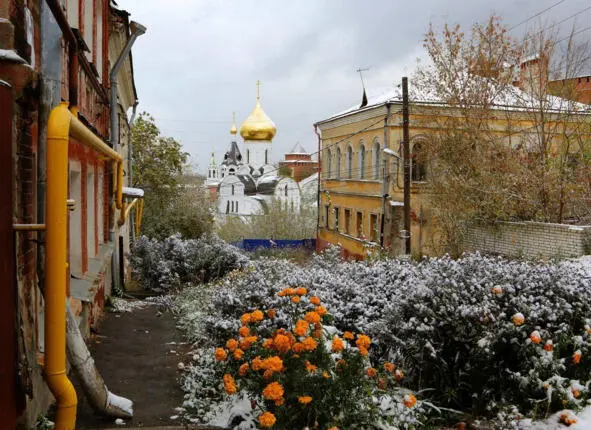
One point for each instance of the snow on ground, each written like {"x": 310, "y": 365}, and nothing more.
{"x": 122, "y": 305}
{"x": 120, "y": 403}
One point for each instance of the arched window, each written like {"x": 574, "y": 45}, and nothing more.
{"x": 377, "y": 153}
{"x": 236, "y": 206}
{"x": 232, "y": 189}
{"x": 231, "y": 171}
{"x": 285, "y": 190}
{"x": 228, "y": 206}
{"x": 266, "y": 156}
{"x": 361, "y": 161}
{"x": 338, "y": 172}
{"x": 329, "y": 164}
{"x": 349, "y": 162}
{"x": 418, "y": 163}
{"x": 232, "y": 205}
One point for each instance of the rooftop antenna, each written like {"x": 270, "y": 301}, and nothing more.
{"x": 364, "y": 98}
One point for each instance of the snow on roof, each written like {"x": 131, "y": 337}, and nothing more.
{"x": 298, "y": 149}
{"x": 133, "y": 192}
{"x": 508, "y": 98}
{"x": 395, "y": 203}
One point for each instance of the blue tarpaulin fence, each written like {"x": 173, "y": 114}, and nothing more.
{"x": 254, "y": 244}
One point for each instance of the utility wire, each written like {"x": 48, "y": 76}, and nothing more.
{"x": 536, "y": 15}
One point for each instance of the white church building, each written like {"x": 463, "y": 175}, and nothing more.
{"x": 246, "y": 182}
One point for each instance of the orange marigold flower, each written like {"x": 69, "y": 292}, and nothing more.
{"x": 271, "y": 313}
{"x": 363, "y": 341}
{"x": 256, "y": 316}
{"x": 231, "y": 344}
{"x": 243, "y": 370}
{"x": 577, "y": 356}
{"x": 321, "y": 310}
{"x": 268, "y": 343}
{"x": 348, "y": 335}
{"x": 497, "y": 290}
{"x": 220, "y": 354}
{"x": 257, "y": 363}
{"x": 399, "y": 375}
{"x": 268, "y": 374}
{"x": 295, "y": 299}
{"x": 382, "y": 383}
{"x": 244, "y": 331}
{"x": 315, "y": 300}
{"x": 245, "y": 318}
{"x": 282, "y": 343}
{"x": 267, "y": 420}
{"x": 371, "y": 372}
{"x": 304, "y": 400}
{"x": 279, "y": 402}
{"x": 301, "y": 291}
{"x": 337, "y": 344}
{"x": 333, "y": 428}
{"x": 326, "y": 375}
{"x": 389, "y": 367}
{"x": 286, "y": 292}
{"x": 312, "y": 317}
{"x": 238, "y": 354}
{"x": 363, "y": 351}
{"x": 317, "y": 334}
{"x": 409, "y": 400}
{"x": 535, "y": 337}
{"x": 248, "y": 341}
{"x": 576, "y": 393}
{"x": 229, "y": 384}
{"x": 301, "y": 328}
{"x": 568, "y": 419}
{"x": 310, "y": 367}
{"x": 274, "y": 364}
{"x": 298, "y": 347}
{"x": 518, "y": 318}
{"x": 273, "y": 391}
{"x": 549, "y": 346}
{"x": 309, "y": 344}
{"x": 341, "y": 363}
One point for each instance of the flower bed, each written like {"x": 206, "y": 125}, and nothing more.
{"x": 490, "y": 337}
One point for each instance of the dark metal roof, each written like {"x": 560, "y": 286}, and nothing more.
{"x": 249, "y": 184}
{"x": 267, "y": 184}
{"x": 232, "y": 155}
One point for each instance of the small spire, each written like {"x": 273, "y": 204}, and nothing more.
{"x": 233, "y": 130}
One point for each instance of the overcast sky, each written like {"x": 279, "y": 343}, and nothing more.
{"x": 200, "y": 59}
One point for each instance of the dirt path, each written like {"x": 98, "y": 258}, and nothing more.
{"x": 133, "y": 353}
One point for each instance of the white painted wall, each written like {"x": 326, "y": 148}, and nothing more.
{"x": 254, "y": 152}
{"x": 287, "y": 192}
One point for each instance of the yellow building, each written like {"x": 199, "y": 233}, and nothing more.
{"x": 359, "y": 182}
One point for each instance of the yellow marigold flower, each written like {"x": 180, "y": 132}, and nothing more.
{"x": 301, "y": 291}
{"x": 282, "y": 343}
{"x": 295, "y": 299}
{"x": 315, "y": 300}
{"x": 321, "y": 310}
{"x": 268, "y": 343}
{"x": 274, "y": 364}
{"x": 409, "y": 400}
{"x": 267, "y": 420}
{"x": 271, "y": 313}
{"x": 326, "y": 375}
{"x": 229, "y": 384}
{"x": 363, "y": 341}
{"x": 371, "y": 372}
{"x": 348, "y": 335}
{"x": 309, "y": 344}
{"x": 310, "y": 367}
{"x": 337, "y": 344}
{"x": 243, "y": 370}
{"x": 301, "y": 328}
{"x": 304, "y": 400}
{"x": 312, "y": 317}
{"x": 363, "y": 351}
{"x": 389, "y": 367}
{"x": 399, "y": 375}
{"x": 256, "y": 316}
{"x": 244, "y": 331}
{"x": 231, "y": 344}
{"x": 245, "y": 318}
{"x": 248, "y": 341}
{"x": 279, "y": 402}
{"x": 257, "y": 364}
{"x": 220, "y": 354}
{"x": 273, "y": 391}
{"x": 238, "y": 354}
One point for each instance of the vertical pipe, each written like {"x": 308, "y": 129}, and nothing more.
{"x": 384, "y": 176}
{"x": 56, "y": 268}
{"x": 406, "y": 155}
{"x": 318, "y": 188}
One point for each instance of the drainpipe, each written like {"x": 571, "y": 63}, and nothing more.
{"x": 130, "y": 166}
{"x": 136, "y": 31}
{"x": 318, "y": 188}
{"x": 385, "y": 176}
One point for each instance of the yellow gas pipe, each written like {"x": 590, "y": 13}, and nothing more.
{"x": 61, "y": 126}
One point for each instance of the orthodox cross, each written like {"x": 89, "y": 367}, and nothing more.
{"x": 360, "y": 71}
{"x": 258, "y": 90}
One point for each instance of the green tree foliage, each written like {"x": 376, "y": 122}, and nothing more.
{"x": 170, "y": 206}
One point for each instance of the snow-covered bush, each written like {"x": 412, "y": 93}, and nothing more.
{"x": 160, "y": 265}
{"x": 448, "y": 322}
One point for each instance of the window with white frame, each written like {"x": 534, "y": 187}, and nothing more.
{"x": 75, "y": 230}
{"x": 377, "y": 154}
{"x": 361, "y": 161}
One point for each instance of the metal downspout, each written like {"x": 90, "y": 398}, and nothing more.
{"x": 137, "y": 30}
{"x": 130, "y": 168}
{"x": 318, "y": 189}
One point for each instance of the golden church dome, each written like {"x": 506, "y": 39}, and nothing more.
{"x": 258, "y": 126}
{"x": 233, "y": 130}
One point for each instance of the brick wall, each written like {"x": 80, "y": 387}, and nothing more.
{"x": 527, "y": 239}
